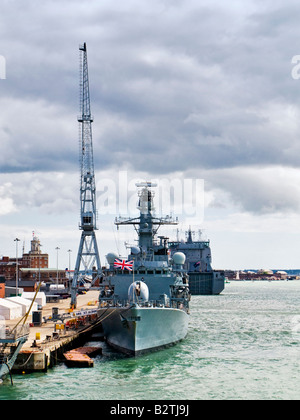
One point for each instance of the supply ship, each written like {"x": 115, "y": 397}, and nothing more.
{"x": 203, "y": 280}
{"x": 144, "y": 300}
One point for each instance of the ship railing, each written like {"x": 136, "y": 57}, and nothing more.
{"x": 169, "y": 303}
{"x": 15, "y": 333}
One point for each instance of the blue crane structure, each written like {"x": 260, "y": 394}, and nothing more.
{"x": 88, "y": 261}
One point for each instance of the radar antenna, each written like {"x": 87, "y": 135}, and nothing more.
{"x": 146, "y": 225}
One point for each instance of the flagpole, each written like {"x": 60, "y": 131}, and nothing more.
{"x": 133, "y": 271}
{"x": 133, "y": 280}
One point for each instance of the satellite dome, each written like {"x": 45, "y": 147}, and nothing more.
{"x": 179, "y": 258}
{"x": 135, "y": 250}
{"x": 111, "y": 256}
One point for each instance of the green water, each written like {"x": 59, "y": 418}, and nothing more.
{"x": 242, "y": 344}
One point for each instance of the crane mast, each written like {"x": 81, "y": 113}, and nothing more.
{"x": 88, "y": 261}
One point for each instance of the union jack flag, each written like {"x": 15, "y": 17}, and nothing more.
{"x": 123, "y": 264}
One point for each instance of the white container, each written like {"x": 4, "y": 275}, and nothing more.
{"x": 10, "y": 310}
{"x": 57, "y": 286}
{"x": 24, "y": 303}
{"x": 40, "y": 298}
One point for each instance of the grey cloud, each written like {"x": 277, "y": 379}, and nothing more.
{"x": 52, "y": 192}
{"x": 257, "y": 190}
{"x": 174, "y": 87}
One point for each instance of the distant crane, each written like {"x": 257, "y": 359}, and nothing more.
{"x": 88, "y": 261}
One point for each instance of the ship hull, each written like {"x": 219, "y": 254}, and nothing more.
{"x": 137, "y": 330}
{"x": 206, "y": 283}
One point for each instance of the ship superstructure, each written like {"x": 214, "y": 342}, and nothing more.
{"x": 144, "y": 301}
{"x": 203, "y": 280}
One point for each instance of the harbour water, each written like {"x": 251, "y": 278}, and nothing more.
{"x": 242, "y": 344}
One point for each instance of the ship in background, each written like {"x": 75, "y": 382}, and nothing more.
{"x": 203, "y": 280}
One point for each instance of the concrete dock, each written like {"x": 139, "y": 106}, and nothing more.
{"x": 48, "y": 342}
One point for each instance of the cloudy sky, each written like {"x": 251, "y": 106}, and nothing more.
{"x": 180, "y": 89}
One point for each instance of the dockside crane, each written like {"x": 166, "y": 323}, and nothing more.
{"x": 88, "y": 261}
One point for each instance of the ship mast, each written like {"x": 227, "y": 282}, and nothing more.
{"x": 146, "y": 225}
{"x": 88, "y": 261}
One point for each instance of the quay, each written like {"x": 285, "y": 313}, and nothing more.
{"x": 48, "y": 341}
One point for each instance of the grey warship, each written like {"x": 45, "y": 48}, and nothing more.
{"x": 203, "y": 280}
{"x": 144, "y": 301}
